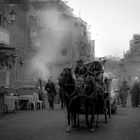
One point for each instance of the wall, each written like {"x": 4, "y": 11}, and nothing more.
{"x": 1, "y": 11}
{"x": 18, "y": 39}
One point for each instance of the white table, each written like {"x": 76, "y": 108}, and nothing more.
{"x": 29, "y": 99}
{"x": 11, "y": 102}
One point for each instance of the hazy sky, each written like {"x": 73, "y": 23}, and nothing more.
{"x": 113, "y": 23}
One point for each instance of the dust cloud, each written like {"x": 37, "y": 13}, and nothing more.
{"x": 51, "y": 37}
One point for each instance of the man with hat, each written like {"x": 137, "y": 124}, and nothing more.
{"x": 123, "y": 92}
{"x": 50, "y": 88}
{"x": 80, "y": 69}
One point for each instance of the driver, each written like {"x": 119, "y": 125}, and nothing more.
{"x": 80, "y": 69}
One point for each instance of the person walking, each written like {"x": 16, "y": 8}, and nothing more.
{"x": 135, "y": 90}
{"x": 50, "y": 88}
{"x": 123, "y": 92}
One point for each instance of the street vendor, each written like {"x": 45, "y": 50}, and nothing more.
{"x": 81, "y": 69}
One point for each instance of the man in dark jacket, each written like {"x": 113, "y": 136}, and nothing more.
{"x": 123, "y": 92}
{"x": 80, "y": 69}
{"x": 50, "y": 88}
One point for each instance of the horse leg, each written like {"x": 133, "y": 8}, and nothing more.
{"x": 68, "y": 117}
{"x": 109, "y": 109}
{"x": 97, "y": 120}
{"x": 86, "y": 115}
{"x": 78, "y": 125}
{"x": 61, "y": 102}
{"x": 105, "y": 110}
{"x": 92, "y": 118}
{"x": 87, "y": 123}
{"x": 105, "y": 115}
{"x": 99, "y": 107}
{"x": 74, "y": 120}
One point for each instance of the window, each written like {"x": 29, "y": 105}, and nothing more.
{"x": 83, "y": 30}
{"x": 64, "y": 52}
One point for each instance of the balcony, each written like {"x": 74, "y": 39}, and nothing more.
{"x": 4, "y": 36}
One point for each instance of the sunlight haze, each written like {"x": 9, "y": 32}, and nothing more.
{"x": 113, "y": 23}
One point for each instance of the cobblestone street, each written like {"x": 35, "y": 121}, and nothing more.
{"x": 51, "y": 124}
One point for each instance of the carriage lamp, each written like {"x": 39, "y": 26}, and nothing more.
{"x": 11, "y": 18}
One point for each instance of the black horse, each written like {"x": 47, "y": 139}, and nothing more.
{"x": 93, "y": 102}
{"x": 96, "y": 99}
{"x": 71, "y": 97}
{"x": 61, "y": 96}
{"x": 90, "y": 99}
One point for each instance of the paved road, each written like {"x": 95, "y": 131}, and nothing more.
{"x": 51, "y": 124}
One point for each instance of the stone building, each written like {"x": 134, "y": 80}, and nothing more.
{"x": 112, "y": 65}
{"x": 44, "y": 47}
{"x": 131, "y": 60}
{"x": 70, "y": 33}
{"x": 7, "y": 51}
{"x": 19, "y": 38}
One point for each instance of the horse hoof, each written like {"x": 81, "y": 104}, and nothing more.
{"x": 97, "y": 125}
{"x": 92, "y": 130}
{"x": 68, "y": 130}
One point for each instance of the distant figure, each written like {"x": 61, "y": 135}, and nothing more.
{"x": 80, "y": 69}
{"x": 123, "y": 92}
{"x": 135, "y": 91}
{"x": 50, "y": 88}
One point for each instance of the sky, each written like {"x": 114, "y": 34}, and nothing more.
{"x": 113, "y": 23}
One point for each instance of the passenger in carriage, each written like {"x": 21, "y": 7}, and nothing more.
{"x": 80, "y": 69}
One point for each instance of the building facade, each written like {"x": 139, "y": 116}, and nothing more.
{"x": 70, "y": 40}
{"x": 19, "y": 38}
{"x": 7, "y": 53}
{"x": 47, "y": 37}
{"x": 131, "y": 61}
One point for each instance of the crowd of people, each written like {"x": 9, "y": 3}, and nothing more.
{"x": 129, "y": 87}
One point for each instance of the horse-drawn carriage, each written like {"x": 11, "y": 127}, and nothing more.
{"x": 88, "y": 94}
